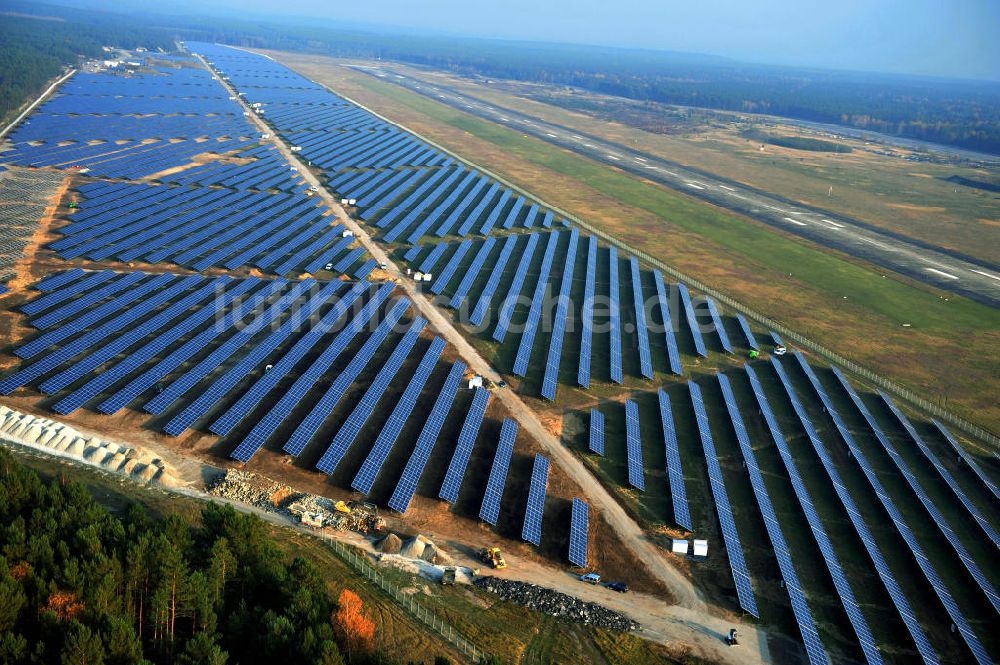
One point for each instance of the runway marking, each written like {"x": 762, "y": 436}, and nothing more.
{"x": 695, "y": 185}
{"x": 640, "y": 159}
{"x": 941, "y": 272}
{"x": 614, "y": 157}
{"x": 673, "y": 174}
{"x": 504, "y": 119}
{"x": 654, "y": 168}
{"x": 728, "y": 189}
{"x": 551, "y": 135}
{"x": 587, "y": 145}
{"x": 833, "y": 224}
{"x": 795, "y": 221}
{"x": 986, "y": 274}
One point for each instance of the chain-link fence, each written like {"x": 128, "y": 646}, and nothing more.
{"x": 441, "y": 627}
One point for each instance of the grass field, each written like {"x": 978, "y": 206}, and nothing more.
{"x": 945, "y": 353}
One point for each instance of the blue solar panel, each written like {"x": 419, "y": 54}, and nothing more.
{"x": 532, "y": 528}
{"x": 472, "y": 273}
{"x": 444, "y": 277}
{"x": 59, "y": 279}
{"x": 407, "y": 485}
{"x": 53, "y": 298}
{"x": 308, "y": 426}
{"x": 969, "y": 460}
{"x": 720, "y": 329}
{"x": 490, "y": 510}
{"x": 800, "y": 607}
{"x": 851, "y": 607}
{"x": 365, "y": 477}
{"x": 587, "y": 315}
{"x": 535, "y": 311}
{"x": 596, "y": 434}
{"x": 351, "y": 426}
{"x": 642, "y": 333}
{"x": 675, "y": 473}
{"x": 777, "y": 339}
{"x": 463, "y": 449}
{"x": 902, "y": 527}
{"x": 936, "y": 517}
{"x": 946, "y": 476}
{"x": 747, "y": 333}
{"x": 554, "y": 356}
{"x": 486, "y": 296}
{"x": 615, "y": 317}
{"x": 510, "y": 301}
{"x": 734, "y": 550}
{"x": 673, "y": 355}
{"x": 633, "y": 446}
{"x": 692, "y": 320}
{"x": 578, "y": 526}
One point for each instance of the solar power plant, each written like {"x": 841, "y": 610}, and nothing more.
{"x": 633, "y": 441}
{"x": 472, "y": 273}
{"x": 902, "y": 527}
{"x": 554, "y": 357}
{"x": 692, "y": 320}
{"x": 833, "y": 566}
{"x": 675, "y": 473}
{"x": 945, "y": 475}
{"x": 490, "y": 510}
{"x": 578, "y": 525}
{"x": 320, "y": 411}
{"x": 968, "y": 459}
{"x": 673, "y": 355}
{"x": 741, "y": 577}
{"x": 645, "y": 357}
{"x": 532, "y": 528}
{"x": 615, "y": 321}
{"x": 720, "y": 329}
{"x": 407, "y": 484}
{"x": 596, "y": 434}
{"x": 871, "y": 546}
{"x": 800, "y": 606}
{"x": 510, "y": 300}
{"x": 351, "y": 427}
{"x": 486, "y": 295}
{"x": 387, "y": 437}
{"x": 904, "y": 469}
{"x": 444, "y": 277}
{"x": 463, "y": 448}
{"x": 747, "y": 333}
{"x": 535, "y": 311}
{"x": 587, "y": 315}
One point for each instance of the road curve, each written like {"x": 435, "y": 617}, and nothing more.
{"x": 937, "y": 266}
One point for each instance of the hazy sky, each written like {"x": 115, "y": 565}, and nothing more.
{"x": 938, "y": 37}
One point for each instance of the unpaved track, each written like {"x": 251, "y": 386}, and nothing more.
{"x": 689, "y": 620}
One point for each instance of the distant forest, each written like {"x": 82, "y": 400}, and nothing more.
{"x": 960, "y": 113}
{"x": 34, "y": 51}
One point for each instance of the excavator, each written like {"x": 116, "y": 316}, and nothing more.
{"x": 492, "y": 556}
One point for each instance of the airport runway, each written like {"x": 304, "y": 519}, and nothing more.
{"x": 934, "y": 265}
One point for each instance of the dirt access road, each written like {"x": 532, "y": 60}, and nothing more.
{"x": 687, "y": 621}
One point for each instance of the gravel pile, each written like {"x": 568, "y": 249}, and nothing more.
{"x": 556, "y": 604}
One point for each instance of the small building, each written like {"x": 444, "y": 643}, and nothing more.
{"x": 347, "y": 234}
{"x": 476, "y": 382}
{"x": 700, "y": 549}
{"x": 679, "y": 546}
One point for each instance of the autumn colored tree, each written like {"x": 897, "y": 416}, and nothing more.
{"x": 355, "y": 630}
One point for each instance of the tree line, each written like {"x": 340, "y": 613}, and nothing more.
{"x": 81, "y": 586}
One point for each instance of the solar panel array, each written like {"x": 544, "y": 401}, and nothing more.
{"x": 843, "y": 587}
{"x": 587, "y": 315}
{"x": 969, "y": 460}
{"x": 741, "y": 577}
{"x": 800, "y": 606}
{"x": 407, "y": 484}
{"x": 675, "y": 473}
{"x": 871, "y": 546}
{"x": 902, "y": 527}
{"x": 615, "y": 322}
{"x": 531, "y": 531}
{"x": 596, "y": 434}
{"x": 510, "y": 300}
{"x": 463, "y": 448}
{"x": 673, "y": 355}
{"x": 633, "y": 446}
{"x": 490, "y": 510}
{"x": 554, "y": 356}
{"x": 945, "y": 475}
{"x": 904, "y": 469}
{"x": 720, "y": 329}
{"x": 578, "y": 525}
{"x": 527, "y": 340}
{"x": 747, "y": 333}
{"x": 645, "y": 357}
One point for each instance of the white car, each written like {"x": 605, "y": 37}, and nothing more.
{"x": 780, "y": 350}
{"x": 590, "y": 578}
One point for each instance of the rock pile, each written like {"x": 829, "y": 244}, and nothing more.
{"x": 556, "y": 604}
{"x": 60, "y": 439}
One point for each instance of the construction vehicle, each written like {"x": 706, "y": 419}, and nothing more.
{"x": 448, "y": 577}
{"x": 492, "y": 556}
{"x": 342, "y": 507}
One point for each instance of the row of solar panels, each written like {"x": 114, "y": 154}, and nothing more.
{"x": 112, "y": 339}
{"x": 798, "y": 599}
